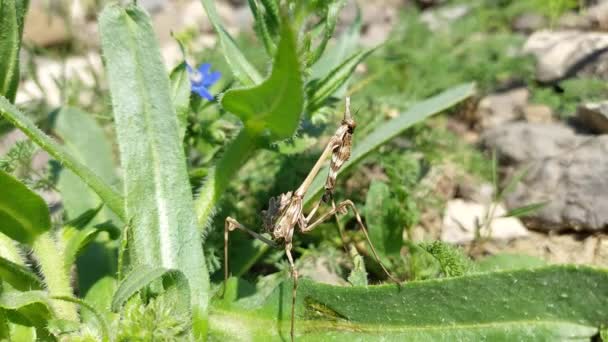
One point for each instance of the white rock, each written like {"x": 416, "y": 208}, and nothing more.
{"x": 560, "y": 52}
{"x": 461, "y": 217}
{"x": 441, "y": 18}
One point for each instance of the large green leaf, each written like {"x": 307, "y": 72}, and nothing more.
{"x": 241, "y": 68}
{"x": 31, "y": 308}
{"x": 158, "y": 197}
{"x": 84, "y": 139}
{"x": 548, "y": 304}
{"x": 277, "y": 103}
{"x": 18, "y": 276}
{"x": 384, "y": 233}
{"x": 12, "y": 13}
{"x": 23, "y": 214}
{"x": 107, "y": 193}
{"x": 274, "y": 107}
{"x": 390, "y": 129}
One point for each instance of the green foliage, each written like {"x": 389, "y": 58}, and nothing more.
{"x": 24, "y": 214}
{"x": 155, "y": 321}
{"x": 566, "y": 96}
{"x": 494, "y": 306}
{"x": 384, "y": 223}
{"x": 452, "y": 261}
{"x": 12, "y": 14}
{"x": 507, "y": 262}
{"x": 112, "y": 198}
{"x": 274, "y": 106}
{"x": 158, "y": 197}
{"x": 358, "y": 275}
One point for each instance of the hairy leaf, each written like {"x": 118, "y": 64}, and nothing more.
{"x": 143, "y": 276}
{"x": 12, "y": 13}
{"x": 504, "y": 262}
{"x": 84, "y": 139}
{"x": 390, "y": 129}
{"x": 548, "y": 304}
{"x": 23, "y": 214}
{"x": 241, "y": 68}
{"x": 106, "y": 192}
{"x": 158, "y": 197}
{"x": 180, "y": 94}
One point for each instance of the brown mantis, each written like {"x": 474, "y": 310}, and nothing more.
{"x": 285, "y": 212}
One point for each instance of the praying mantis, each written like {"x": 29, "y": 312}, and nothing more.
{"x": 285, "y": 212}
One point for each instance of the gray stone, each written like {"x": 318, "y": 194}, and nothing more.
{"x": 562, "y": 54}
{"x": 529, "y": 22}
{"x": 440, "y": 18}
{"x": 497, "y": 109}
{"x": 594, "y": 116}
{"x": 521, "y": 142}
{"x": 564, "y": 170}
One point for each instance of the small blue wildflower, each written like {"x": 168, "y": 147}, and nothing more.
{"x": 202, "y": 78}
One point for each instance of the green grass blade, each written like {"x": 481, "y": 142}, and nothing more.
{"x": 159, "y": 200}
{"x": 109, "y": 196}
{"x": 320, "y": 91}
{"x": 23, "y": 214}
{"x": 241, "y": 68}
{"x": 390, "y": 129}
{"x": 12, "y": 13}
{"x": 548, "y": 304}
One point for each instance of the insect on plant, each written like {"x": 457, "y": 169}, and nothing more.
{"x": 285, "y": 212}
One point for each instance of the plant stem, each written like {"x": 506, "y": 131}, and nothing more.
{"x": 236, "y": 155}
{"x": 57, "y": 280}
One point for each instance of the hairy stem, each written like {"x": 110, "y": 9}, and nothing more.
{"x": 56, "y": 277}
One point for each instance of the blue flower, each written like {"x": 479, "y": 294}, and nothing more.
{"x": 202, "y": 78}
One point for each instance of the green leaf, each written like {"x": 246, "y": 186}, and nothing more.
{"x": 384, "y": 234}
{"x": 12, "y": 13}
{"x": 277, "y": 103}
{"x": 525, "y": 210}
{"x": 109, "y": 196}
{"x": 99, "y": 297}
{"x": 547, "y": 304}
{"x": 241, "y": 68}
{"x": 180, "y": 94}
{"x": 390, "y": 129}
{"x": 19, "y": 277}
{"x": 336, "y": 54}
{"x": 78, "y": 239}
{"x": 508, "y": 262}
{"x": 105, "y": 331}
{"x": 262, "y": 28}
{"x": 84, "y": 139}
{"x": 24, "y": 215}
{"x": 358, "y": 275}
{"x": 159, "y": 200}
{"x": 143, "y": 276}
{"x": 31, "y": 308}
{"x": 319, "y": 91}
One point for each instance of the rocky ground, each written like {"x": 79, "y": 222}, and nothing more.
{"x": 566, "y": 160}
